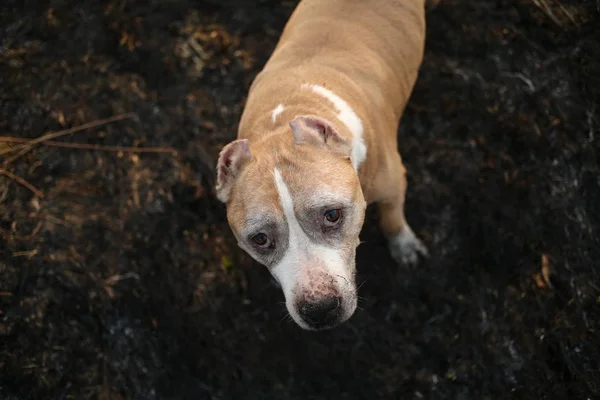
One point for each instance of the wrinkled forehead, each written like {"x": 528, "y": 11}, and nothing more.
{"x": 314, "y": 173}
{"x": 255, "y": 200}
{"x": 318, "y": 186}
{"x": 310, "y": 181}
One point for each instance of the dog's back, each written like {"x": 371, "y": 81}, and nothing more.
{"x": 366, "y": 52}
{"x": 374, "y": 43}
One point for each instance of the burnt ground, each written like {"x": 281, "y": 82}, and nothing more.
{"x": 124, "y": 282}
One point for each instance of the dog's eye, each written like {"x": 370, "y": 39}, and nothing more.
{"x": 261, "y": 240}
{"x": 332, "y": 217}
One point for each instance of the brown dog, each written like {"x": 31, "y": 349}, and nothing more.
{"x": 318, "y": 141}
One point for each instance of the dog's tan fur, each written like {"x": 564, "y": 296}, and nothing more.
{"x": 368, "y": 53}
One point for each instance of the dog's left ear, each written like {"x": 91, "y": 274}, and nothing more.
{"x": 232, "y": 160}
{"x": 317, "y": 131}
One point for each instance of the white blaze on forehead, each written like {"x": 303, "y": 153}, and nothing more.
{"x": 301, "y": 253}
{"x": 347, "y": 115}
{"x": 276, "y": 111}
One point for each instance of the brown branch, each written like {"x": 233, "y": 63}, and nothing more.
{"x": 87, "y": 146}
{"x": 53, "y": 135}
{"x": 568, "y": 14}
{"x": 546, "y": 9}
{"x": 22, "y": 181}
{"x": 24, "y": 149}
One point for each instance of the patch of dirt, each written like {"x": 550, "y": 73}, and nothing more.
{"x": 123, "y": 281}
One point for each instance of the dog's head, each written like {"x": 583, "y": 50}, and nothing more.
{"x": 295, "y": 204}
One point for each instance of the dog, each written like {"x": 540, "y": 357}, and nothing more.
{"x": 317, "y": 142}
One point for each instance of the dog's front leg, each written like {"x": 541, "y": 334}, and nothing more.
{"x": 404, "y": 245}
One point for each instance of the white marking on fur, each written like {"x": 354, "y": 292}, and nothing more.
{"x": 405, "y": 247}
{"x": 276, "y": 111}
{"x": 347, "y": 115}
{"x": 301, "y": 253}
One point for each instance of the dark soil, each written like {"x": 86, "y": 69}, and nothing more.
{"x": 124, "y": 281}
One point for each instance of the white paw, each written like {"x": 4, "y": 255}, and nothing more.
{"x": 405, "y": 247}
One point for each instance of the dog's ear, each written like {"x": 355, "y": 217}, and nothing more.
{"x": 317, "y": 131}
{"x": 232, "y": 160}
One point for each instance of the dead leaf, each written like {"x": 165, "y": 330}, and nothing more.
{"x": 546, "y": 270}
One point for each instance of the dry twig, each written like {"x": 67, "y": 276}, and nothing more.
{"x": 24, "y": 148}
{"x": 22, "y": 181}
{"x": 546, "y": 9}
{"x": 87, "y": 146}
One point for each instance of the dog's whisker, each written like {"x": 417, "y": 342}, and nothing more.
{"x": 361, "y": 285}
{"x": 286, "y": 317}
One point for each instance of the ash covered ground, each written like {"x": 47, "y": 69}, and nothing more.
{"x": 120, "y": 279}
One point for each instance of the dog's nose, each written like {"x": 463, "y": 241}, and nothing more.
{"x": 321, "y": 312}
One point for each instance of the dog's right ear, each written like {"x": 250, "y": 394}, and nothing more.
{"x": 317, "y": 131}
{"x": 232, "y": 159}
